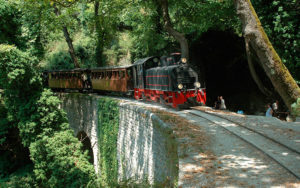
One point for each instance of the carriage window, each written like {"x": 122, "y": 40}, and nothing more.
{"x": 129, "y": 73}
{"x": 109, "y": 74}
{"x": 121, "y": 73}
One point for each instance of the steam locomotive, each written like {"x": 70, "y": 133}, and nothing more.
{"x": 168, "y": 80}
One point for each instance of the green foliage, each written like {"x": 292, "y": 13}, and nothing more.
{"x": 191, "y": 18}
{"x": 57, "y": 56}
{"x": 108, "y": 135}
{"x": 22, "y": 178}
{"x": 21, "y": 84}
{"x": 10, "y": 24}
{"x": 13, "y": 154}
{"x": 4, "y": 123}
{"x": 280, "y": 20}
{"x": 147, "y": 34}
{"x": 17, "y": 72}
{"x": 194, "y": 18}
{"x": 54, "y": 150}
{"x": 34, "y": 110}
{"x": 58, "y": 161}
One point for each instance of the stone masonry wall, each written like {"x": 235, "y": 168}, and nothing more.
{"x": 82, "y": 116}
{"x": 146, "y": 147}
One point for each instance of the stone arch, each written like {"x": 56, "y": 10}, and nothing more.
{"x": 85, "y": 140}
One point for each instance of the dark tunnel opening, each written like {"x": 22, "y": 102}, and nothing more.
{"x": 220, "y": 59}
{"x": 84, "y": 139}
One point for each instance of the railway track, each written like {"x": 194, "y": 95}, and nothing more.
{"x": 286, "y": 156}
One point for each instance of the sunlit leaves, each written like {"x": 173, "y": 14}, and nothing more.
{"x": 281, "y": 22}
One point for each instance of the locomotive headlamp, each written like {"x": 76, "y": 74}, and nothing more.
{"x": 155, "y": 60}
{"x": 183, "y": 60}
{"x": 180, "y": 86}
{"x": 197, "y": 84}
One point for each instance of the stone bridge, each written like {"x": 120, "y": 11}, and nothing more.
{"x": 146, "y": 149}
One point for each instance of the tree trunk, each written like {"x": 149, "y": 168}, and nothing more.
{"x": 96, "y": 15}
{"x": 71, "y": 48}
{"x": 279, "y": 75}
{"x": 177, "y": 35}
{"x": 99, "y": 35}
{"x": 254, "y": 75}
{"x": 68, "y": 40}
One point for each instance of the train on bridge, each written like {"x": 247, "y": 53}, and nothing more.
{"x": 168, "y": 80}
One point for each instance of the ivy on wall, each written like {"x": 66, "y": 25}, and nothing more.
{"x": 108, "y": 113}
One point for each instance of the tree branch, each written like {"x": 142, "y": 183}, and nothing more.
{"x": 177, "y": 35}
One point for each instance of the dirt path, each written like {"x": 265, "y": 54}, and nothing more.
{"x": 232, "y": 162}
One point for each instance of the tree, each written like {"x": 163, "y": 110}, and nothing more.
{"x": 177, "y": 35}
{"x": 68, "y": 39}
{"x": 255, "y": 37}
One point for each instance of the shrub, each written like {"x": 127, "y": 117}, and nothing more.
{"x": 59, "y": 162}
{"x": 55, "y": 152}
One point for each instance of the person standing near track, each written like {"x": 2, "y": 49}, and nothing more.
{"x": 222, "y": 105}
{"x": 217, "y": 103}
{"x": 275, "y": 108}
{"x": 269, "y": 111}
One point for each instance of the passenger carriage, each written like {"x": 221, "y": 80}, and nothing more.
{"x": 67, "y": 79}
{"x": 113, "y": 79}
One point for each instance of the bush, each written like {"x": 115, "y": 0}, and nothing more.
{"x": 22, "y": 178}
{"x": 55, "y": 152}
{"x": 58, "y": 161}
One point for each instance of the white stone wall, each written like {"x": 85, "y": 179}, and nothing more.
{"x": 146, "y": 150}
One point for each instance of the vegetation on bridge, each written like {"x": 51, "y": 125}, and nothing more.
{"x": 108, "y": 129}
